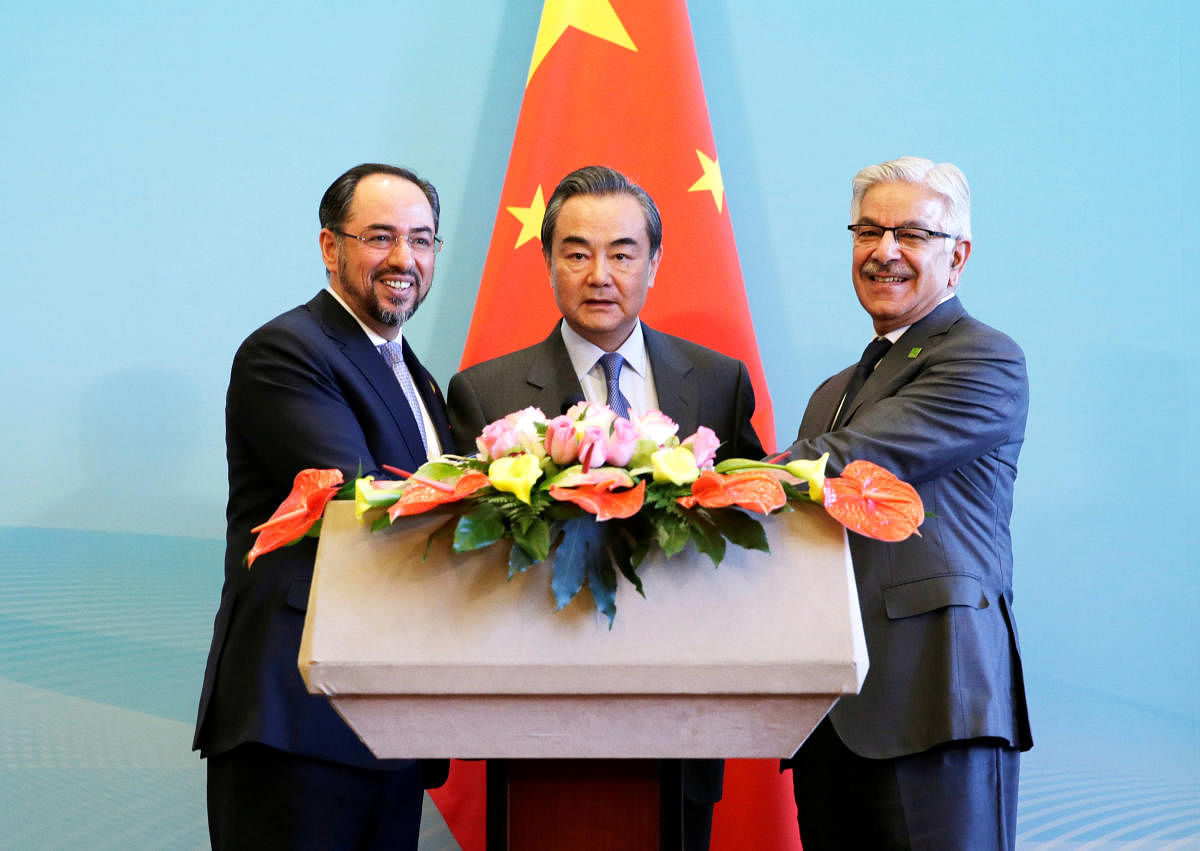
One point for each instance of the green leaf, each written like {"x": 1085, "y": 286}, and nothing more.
{"x": 741, "y": 529}
{"x": 706, "y": 536}
{"x": 518, "y": 561}
{"x": 602, "y": 582}
{"x": 582, "y": 540}
{"x": 671, "y": 532}
{"x": 381, "y": 522}
{"x": 480, "y": 527}
{"x": 533, "y": 536}
{"x": 439, "y": 471}
{"x": 735, "y": 465}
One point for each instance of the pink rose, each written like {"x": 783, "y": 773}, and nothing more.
{"x": 592, "y": 448}
{"x": 585, "y": 414}
{"x": 656, "y": 426}
{"x": 560, "y": 441}
{"x": 621, "y": 442}
{"x": 498, "y": 439}
{"x": 704, "y": 444}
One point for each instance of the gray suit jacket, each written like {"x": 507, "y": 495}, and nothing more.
{"x": 696, "y": 386}
{"x": 945, "y": 411}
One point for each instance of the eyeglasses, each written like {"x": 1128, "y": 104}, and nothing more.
{"x": 906, "y": 237}
{"x": 378, "y": 239}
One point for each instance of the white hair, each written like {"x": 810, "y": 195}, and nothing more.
{"x": 945, "y": 179}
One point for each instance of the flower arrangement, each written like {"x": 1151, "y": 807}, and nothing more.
{"x": 599, "y": 491}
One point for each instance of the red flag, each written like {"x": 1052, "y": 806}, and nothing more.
{"x": 616, "y": 83}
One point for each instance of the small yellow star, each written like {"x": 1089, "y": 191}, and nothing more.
{"x": 530, "y": 218}
{"x": 711, "y": 180}
{"x": 594, "y": 17}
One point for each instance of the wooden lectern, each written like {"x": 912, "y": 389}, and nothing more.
{"x": 439, "y": 654}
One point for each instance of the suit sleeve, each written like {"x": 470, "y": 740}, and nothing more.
{"x": 465, "y": 410}
{"x": 969, "y": 398}
{"x": 286, "y": 404}
{"x": 745, "y": 443}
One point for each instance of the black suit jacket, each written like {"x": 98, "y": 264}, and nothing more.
{"x": 308, "y": 389}
{"x": 945, "y": 411}
{"x": 695, "y": 385}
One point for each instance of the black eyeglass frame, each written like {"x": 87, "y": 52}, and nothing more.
{"x": 895, "y": 231}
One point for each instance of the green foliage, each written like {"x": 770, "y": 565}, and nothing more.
{"x": 481, "y": 527}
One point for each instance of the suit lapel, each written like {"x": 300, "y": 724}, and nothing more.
{"x": 342, "y": 328}
{"x": 552, "y": 375}
{"x": 905, "y": 355}
{"x": 678, "y": 394}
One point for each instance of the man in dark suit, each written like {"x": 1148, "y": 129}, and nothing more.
{"x": 328, "y": 384}
{"x": 602, "y": 240}
{"x": 927, "y": 756}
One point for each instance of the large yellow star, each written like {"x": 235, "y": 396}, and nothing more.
{"x": 594, "y": 17}
{"x": 710, "y": 180}
{"x": 530, "y": 218}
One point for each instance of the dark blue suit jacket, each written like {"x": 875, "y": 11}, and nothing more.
{"x": 945, "y": 411}
{"x": 308, "y": 389}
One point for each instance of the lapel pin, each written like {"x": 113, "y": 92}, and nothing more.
{"x": 913, "y": 352}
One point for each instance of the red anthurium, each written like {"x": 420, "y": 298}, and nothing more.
{"x": 600, "y": 499}
{"x": 311, "y": 492}
{"x": 871, "y": 501}
{"x": 753, "y": 490}
{"x": 421, "y": 495}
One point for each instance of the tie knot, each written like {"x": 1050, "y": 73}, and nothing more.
{"x": 392, "y": 352}
{"x": 874, "y": 352}
{"x": 611, "y": 364}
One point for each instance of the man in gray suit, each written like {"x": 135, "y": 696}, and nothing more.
{"x": 927, "y": 756}
{"x": 602, "y": 240}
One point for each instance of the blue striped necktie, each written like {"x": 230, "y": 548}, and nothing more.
{"x": 611, "y": 363}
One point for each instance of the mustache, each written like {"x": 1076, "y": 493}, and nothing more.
{"x": 398, "y": 271}
{"x": 892, "y": 267}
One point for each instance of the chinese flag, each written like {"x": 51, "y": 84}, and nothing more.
{"x": 616, "y": 83}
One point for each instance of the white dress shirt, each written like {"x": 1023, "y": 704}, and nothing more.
{"x": 434, "y": 448}
{"x": 637, "y": 380}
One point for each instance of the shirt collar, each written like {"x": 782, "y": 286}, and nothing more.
{"x": 376, "y": 340}
{"x": 895, "y": 333}
{"x": 584, "y": 354}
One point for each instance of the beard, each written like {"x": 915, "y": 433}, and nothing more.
{"x": 377, "y": 308}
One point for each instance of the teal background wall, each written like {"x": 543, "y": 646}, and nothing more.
{"x": 162, "y": 164}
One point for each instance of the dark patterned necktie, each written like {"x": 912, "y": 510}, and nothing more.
{"x": 611, "y": 364}
{"x": 866, "y": 365}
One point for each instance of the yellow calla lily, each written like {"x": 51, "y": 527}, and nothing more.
{"x": 370, "y": 494}
{"x": 811, "y": 471}
{"x": 676, "y": 465}
{"x": 515, "y": 474}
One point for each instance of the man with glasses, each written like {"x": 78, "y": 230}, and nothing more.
{"x": 927, "y": 756}
{"x": 329, "y": 384}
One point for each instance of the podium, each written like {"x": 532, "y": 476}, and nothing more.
{"x": 428, "y": 653}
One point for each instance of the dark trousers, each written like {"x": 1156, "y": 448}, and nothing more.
{"x": 958, "y": 796}
{"x": 262, "y": 798}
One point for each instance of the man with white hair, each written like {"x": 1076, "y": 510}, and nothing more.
{"x": 927, "y": 756}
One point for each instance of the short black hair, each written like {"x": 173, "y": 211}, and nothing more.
{"x": 600, "y": 180}
{"x": 335, "y": 203}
